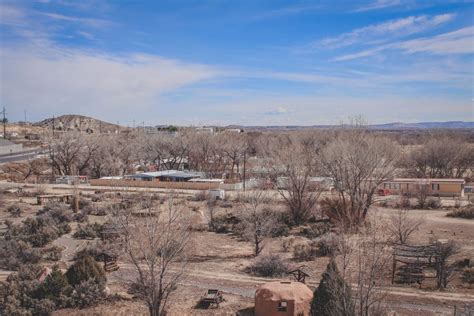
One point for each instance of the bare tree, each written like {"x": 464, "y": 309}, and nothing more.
{"x": 441, "y": 157}
{"x": 358, "y": 163}
{"x": 211, "y": 212}
{"x": 402, "y": 225}
{"x": 421, "y": 193}
{"x": 234, "y": 147}
{"x": 258, "y": 221}
{"x": 155, "y": 247}
{"x": 296, "y": 159}
{"x": 363, "y": 260}
{"x": 444, "y": 268}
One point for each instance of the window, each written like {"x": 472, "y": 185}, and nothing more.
{"x": 435, "y": 186}
{"x": 282, "y": 306}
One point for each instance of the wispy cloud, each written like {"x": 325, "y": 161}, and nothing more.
{"x": 379, "y": 4}
{"x": 455, "y": 42}
{"x": 94, "y": 81}
{"x": 285, "y": 11}
{"x": 386, "y": 30}
{"x": 278, "y": 111}
{"x": 85, "y": 21}
{"x": 11, "y": 16}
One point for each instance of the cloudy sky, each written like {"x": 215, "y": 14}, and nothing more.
{"x": 238, "y": 62}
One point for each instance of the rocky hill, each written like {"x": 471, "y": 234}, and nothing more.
{"x": 81, "y": 123}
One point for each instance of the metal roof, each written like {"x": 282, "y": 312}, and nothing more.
{"x": 426, "y": 180}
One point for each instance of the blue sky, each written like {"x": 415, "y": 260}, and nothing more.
{"x": 238, "y": 62}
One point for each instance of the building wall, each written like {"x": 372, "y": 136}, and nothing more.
{"x": 450, "y": 187}
{"x": 270, "y": 308}
{"x": 445, "y": 189}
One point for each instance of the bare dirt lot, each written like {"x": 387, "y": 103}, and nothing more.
{"x": 221, "y": 260}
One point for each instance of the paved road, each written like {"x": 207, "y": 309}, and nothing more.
{"x": 25, "y": 155}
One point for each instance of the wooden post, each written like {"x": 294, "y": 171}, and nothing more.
{"x": 394, "y": 267}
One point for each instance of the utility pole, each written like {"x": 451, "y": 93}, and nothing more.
{"x": 4, "y": 123}
{"x": 52, "y": 126}
{"x": 25, "y": 116}
{"x": 245, "y": 156}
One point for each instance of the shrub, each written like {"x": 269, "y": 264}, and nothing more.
{"x": 55, "y": 287}
{"x": 305, "y": 251}
{"x": 58, "y": 215}
{"x": 83, "y": 203}
{"x": 200, "y": 196}
{"x": 36, "y": 231}
{"x": 280, "y": 230}
{"x": 88, "y": 293}
{"x": 43, "y": 307}
{"x": 287, "y": 243}
{"x": 100, "y": 211}
{"x": 433, "y": 204}
{"x": 226, "y": 223}
{"x": 468, "y": 276}
{"x": 83, "y": 269}
{"x": 14, "y": 254}
{"x": 14, "y": 211}
{"x": 19, "y": 294}
{"x": 89, "y": 231}
{"x": 328, "y": 244}
{"x": 94, "y": 250}
{"x": 96, "y": 198}
{"x": 53, "y": 253}
{"x": 466, "y": 212}
{"x": 404, "y": 202}
{"x": 81, "y": 217}
{"x": 315, "y": 230}
{"x": 268, "y": 266}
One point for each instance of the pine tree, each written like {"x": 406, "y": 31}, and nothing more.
{"x": 84, "y": 269}
{"x": 333, "y": 295}
{"x": 55, "y": 286}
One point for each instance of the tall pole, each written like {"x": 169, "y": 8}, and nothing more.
{"x": 245, "y": 156}
{"x": 25, "y": 116}
{"x": 4, "y": 124}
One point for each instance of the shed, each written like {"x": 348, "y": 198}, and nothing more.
{"x": 216, "y": 194}
{"x": 283, "y": 298}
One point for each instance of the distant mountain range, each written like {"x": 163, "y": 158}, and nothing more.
{"x": 83, "y": 123}
{"x": 386, "y": 126}
{"x": 425, "y": 125}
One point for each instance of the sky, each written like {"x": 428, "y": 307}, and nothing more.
{"x": 246, "y": 62}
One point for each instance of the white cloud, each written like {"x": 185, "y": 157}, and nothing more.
{"x": 54, "y": 80}
{"x": 285, "y": 11}
{"x": 455, "y": 42}
{"x": 85, "y": 21}
{"x": 278, "y": 111}
{"x": 11, "y": 16}
{"x": 379, "y": 4}
{"x": 386, "y": 30}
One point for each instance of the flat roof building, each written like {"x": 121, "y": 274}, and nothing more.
{"x": 434, "y": 187}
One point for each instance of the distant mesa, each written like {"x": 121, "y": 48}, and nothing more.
{"x": 79, "y": 123}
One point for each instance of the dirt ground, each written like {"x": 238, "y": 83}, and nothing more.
{"x": 220, "y": 261}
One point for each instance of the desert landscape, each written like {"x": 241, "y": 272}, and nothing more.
{"x": 289, "y": 218}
